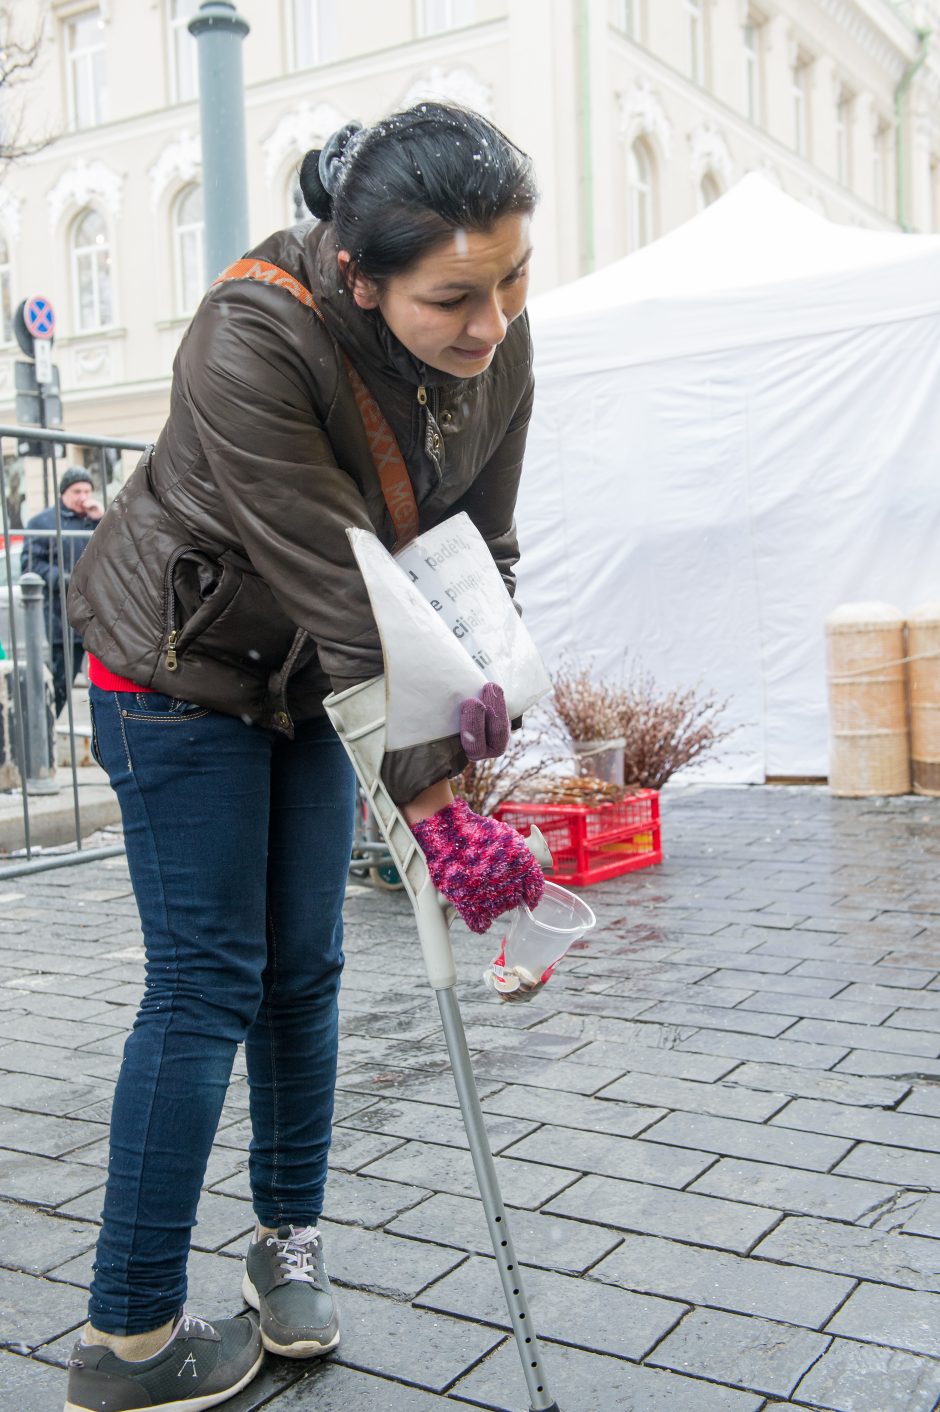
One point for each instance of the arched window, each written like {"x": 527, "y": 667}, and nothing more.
{"x": 641, "y": 193}
{"x": 188, "y": 230}
{"x": 91, "y": 265}
{"x": 709, "y": 190}
{"x": 6, "y": 292}
{"x": 296, "y": 205}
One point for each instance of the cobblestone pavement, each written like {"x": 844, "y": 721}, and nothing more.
{"x": 718, "y": 1126}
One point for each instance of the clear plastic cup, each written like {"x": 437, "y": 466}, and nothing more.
{"x": 535, "y": 942}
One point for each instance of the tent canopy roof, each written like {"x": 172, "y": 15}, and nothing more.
{"x": 756, "y": 265}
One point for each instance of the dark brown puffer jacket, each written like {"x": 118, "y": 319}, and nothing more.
{"x": 231, "y": 533}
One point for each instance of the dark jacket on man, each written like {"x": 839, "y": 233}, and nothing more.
{"x": 40, "y": 556}
{"x": 231, "y": 533}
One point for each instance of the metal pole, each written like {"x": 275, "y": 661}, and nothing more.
{"x": 219, "y": 31}
{"x": 520, "y": 1315}
{"x": 17, "y": 684}
{"x": 36, "y": 725}
{"x": 68, "y": 653}
{"x": 48, "y": 861}
{"x": 900, "y": 93}
{"x": 44, "y": 445}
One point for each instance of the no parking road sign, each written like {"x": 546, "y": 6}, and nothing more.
{"x": 39, "y": 317}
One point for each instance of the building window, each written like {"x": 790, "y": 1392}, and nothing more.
{"x": 188, "y": 241}
{"x": 313, "y": 32}
{"x": 624, "y": 17}
{"x": 709, "y": 190}
{"x": 694, "y": 10}
{"x": 879, "y": 165}
{"x": 641, "y": 193}
{"x": 6, "y": 292}
{"x": 183, "y": 63}
{"x": 844, "y": 138}
{"x": 297, "y": 211}
{"x": 88, "y": 97}
{"x": 800, "y": 89}
{"x": 753, "y": 89}
{"x": 436, "y": 16}
{"x": 91, "y": 257}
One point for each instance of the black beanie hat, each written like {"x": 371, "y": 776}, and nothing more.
{"x": 73, "y": 476}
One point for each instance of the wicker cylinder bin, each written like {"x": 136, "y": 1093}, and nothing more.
{"x": 923, "y": 645}
{"x": 868, "y": 722}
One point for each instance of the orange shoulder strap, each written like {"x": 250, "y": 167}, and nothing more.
{"x": 383, "y": 446}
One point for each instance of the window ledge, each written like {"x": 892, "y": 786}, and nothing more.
{"x": 88, "y": 335}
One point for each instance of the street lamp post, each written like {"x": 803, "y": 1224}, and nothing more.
{"x": 219, "y": 31}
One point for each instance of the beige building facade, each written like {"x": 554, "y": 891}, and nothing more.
{"x": 637, "y": 113}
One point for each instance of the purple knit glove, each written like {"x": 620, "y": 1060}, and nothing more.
{"x": 480, "y": 865}
{"x": 484, "y": 723}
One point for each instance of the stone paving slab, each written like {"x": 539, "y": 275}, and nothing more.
{"x": 655, "y": 1210}
{"x": 599, "y": 1318}
{"x": 756, "y": 1353}
{"x": 723, "y": 1281}
{"x": 688, "y": 1096}
{"x": 853, "y": 1377}
{"x": 909, "y": 1261}
{"x": 716, "y": 1128}
{"x": 587, "y": 1382}
{"x": 894, "y": 1316}
{"x": 733, "y": 1138}
{"x": 572, "y": 1110}
{"x": 570, "y": 1247}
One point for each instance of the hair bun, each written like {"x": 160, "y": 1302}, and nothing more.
{"x": 333, "y": 156}
{"x": 318, "y": 200}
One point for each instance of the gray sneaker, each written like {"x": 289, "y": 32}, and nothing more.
{"x": 201, "y": 1365}
{"x": 286, "y": 1281}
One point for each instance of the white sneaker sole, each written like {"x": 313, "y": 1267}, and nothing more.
{"x": 193, "y": 1404}
{"x": 303, "y": 1348}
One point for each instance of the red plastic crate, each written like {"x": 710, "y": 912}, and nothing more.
{"x": 592, "y": 842}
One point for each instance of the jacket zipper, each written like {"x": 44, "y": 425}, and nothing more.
{"x": 433, "y": 437}
{"x": 170, "y": 604}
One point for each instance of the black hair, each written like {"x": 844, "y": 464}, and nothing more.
{"x": 403, "y": 186}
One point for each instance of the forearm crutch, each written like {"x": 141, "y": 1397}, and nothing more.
{"x": 358, "y": 716}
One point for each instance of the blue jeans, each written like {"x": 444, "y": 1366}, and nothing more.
{"x": 238, "y": 843}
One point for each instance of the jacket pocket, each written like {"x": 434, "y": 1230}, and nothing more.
{"x": 220, "y": 609}
{"x": 196, "y": 591}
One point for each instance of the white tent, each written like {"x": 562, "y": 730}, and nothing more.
{"x": 735, "y": 430}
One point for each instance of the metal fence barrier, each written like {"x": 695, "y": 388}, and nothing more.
{"x": 29, "y": 734}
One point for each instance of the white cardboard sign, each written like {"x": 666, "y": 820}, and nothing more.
{"x": 447, "y": 626}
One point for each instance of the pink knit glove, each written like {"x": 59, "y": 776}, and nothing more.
{"x": 480, "y": 865}
{"x": 484, "y": 723}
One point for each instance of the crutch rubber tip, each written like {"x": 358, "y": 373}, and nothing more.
{"x": 554, "y": 1408}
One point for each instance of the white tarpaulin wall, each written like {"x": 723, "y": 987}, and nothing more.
{"x": 735, "y": 430}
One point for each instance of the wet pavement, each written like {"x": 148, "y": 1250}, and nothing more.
{"x": 718, "y": 1131}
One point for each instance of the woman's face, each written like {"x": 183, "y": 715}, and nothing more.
{"x": 452, "y": 309}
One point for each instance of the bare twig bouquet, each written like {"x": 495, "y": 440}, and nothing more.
{"x": 666, "y": 731}
{"x": 588, "y": 709}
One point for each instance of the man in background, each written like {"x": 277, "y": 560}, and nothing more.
{"x": 80, "y": 513}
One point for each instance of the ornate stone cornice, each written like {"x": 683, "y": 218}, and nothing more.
{"x": 180, "y": 160}
{"x": 456, "y": 85}
{"x": 709, "y": 152}
{"x": 881, "y": 42}
{"x": 10, "y": 213}
{"x": 297, "y": 131}
{"x": 643, "y": 115}
{"x": 85, "y": 182}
